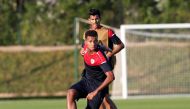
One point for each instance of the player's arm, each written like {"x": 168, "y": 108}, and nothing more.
{"x": 117, "y": 43}
{"x": 109, "y": 78}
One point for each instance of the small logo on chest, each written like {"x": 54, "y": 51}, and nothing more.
{"x": 92, "y": 61}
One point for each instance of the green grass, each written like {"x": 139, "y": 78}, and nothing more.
{"x": 152, "y": 103}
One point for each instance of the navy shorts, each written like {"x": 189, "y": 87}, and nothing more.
{"x": 83, "y": 76}
{"x": 85, "y": 86}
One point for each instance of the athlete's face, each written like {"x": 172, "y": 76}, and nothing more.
{"x": 91, "y": 42}
{"x": 94, "y": 19}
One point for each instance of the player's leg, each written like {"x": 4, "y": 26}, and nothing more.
{"x": 108, "y": 103}
{"x": 96, "y": 101}
{"x": 91, "y": 85}
{"x": 102, "y": 106}
{"x": 71, "y": 103}
{"x": 76, "y": 92}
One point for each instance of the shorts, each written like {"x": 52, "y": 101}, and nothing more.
{"x": 83, "y": 77}
{"x": 85, "y": 86}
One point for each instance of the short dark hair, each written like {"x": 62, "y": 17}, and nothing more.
{"x": 91, "y": 33}
{"x": 94, "y": 12}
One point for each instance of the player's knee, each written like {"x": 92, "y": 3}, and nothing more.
{"x": 71, "y": 94}
{"x": 107, "y": 100}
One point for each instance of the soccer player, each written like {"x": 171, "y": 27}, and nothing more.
{"x": 108, "y": 39}
{"x": 98, "y": 75}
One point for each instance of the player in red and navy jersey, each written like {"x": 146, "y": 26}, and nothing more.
{"x": 110, "y": 42}
{"x": 98, "y": 75}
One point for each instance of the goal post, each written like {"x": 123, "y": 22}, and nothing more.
{"x": 158, "y": 39}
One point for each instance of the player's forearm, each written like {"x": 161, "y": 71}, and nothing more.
{"x": 110, "y": 77}
{"x": 116, "y": 49}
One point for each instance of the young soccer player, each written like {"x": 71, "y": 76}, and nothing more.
{"x": 108, "y": 39}
{"x": 98, "y": 75}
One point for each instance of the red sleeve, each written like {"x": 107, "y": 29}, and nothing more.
{"x": 110, "y": 33}
{"x": 101, "y": 57}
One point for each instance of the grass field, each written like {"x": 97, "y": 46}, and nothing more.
{"x": 151, "y": 103}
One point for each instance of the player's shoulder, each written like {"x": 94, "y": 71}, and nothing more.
{"x": 109, "y": 30}
{"x": 100, "y": 52}
{"x": 101, "y": 56}
{"x": 106, "y": 28}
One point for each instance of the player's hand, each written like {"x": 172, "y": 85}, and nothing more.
{"x": 108, "y": 54}
{"x": 91, "y": 95}
{"x": 82, "y": 51}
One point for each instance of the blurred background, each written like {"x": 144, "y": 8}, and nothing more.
{"x": 50, "y": 22}
{"x": 39, "y": 57}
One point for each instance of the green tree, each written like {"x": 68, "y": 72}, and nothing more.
{"x": 156, "y": 11}
{"x": 50, "y": 22}
{"x": 138, "y": 11}
{"x": 8, "y": 25}
{"x": 174, "y": 11}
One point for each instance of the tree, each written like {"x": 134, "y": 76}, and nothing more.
{"x": 8, "y": 23}
{"x": 50, "y": 22}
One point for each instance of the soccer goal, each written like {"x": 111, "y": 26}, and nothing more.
{"x": 155, "y": 60}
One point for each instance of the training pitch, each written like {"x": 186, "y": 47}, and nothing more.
{"x": 150, "y": 103}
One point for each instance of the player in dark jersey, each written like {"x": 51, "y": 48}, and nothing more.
{"x": 109, "y": 40}
{"x": 98, "y": 75}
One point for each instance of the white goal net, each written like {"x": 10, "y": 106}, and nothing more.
{"x": 156, "y": 60}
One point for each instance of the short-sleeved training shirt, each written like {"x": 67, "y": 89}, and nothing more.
{"x": 96, "y": 64}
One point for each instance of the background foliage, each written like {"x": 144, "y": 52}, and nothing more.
{"x": 50, "y": 22}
